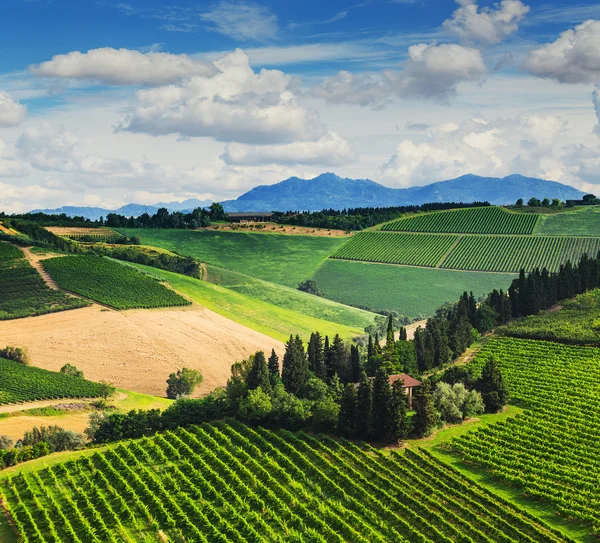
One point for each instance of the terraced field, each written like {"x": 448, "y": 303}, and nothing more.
{"x": 108, "y": 282}
{"x": 227, "y": 482}
{"x": 552, "y": 450}
{"x": 23, "y": 292}
{"x": 390, "y": 248}
{"x": 511, "y": 253}
{"x": 20, "y": 383}
{"x": 101, "y": 234}
{"x": 479, "y": 220}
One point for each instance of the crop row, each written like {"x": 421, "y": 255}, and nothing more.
{"x": 23, "y": 292}
{"x": 20, "y": 383}
{"x": 227, "y": 482}
{"x": 479, "y": 220}
{"x": 511, "y": 253}
{"x": 390, "y": 248}
{"x": 552, "y": 450}
{"x": 110, "y": 282}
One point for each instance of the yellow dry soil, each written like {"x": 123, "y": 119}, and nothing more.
{"x": 137, "y": 349}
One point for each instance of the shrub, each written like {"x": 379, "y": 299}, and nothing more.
{"x": 69, "y": 369}
{"x": 15, "y": 353}
{"x": 182, "y": 383}
{"x": 456, "y": 403}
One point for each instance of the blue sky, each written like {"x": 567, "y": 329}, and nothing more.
{"x": 104, "y": 102}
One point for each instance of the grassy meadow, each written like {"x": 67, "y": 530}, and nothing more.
{"x": 270, "y": 319}
{"x": 581, "y": 221}
{"x": 408, "y": 290}
{"x": 283, "y": 259}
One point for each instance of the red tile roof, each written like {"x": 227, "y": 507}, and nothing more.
{"x": 408, "y": 381}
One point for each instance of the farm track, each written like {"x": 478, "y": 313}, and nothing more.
{"x": 35, "y": 261}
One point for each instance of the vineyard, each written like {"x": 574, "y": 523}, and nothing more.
{"x": 23, "y": 292}
{"x": 410, "y": 249}
{"x": 552, "y": 450}
{"x": 577, "y": 323}
{"x": 478, "y": 220}
{"x": 227, "y": 482}
{"x": 20, "y": 383}
{"x": 102, "y": 234}
{"x": 110, "y": 283}
{"x": 511, "y": 253}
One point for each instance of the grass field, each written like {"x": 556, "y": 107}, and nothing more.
{"x": 409, "y": 249}
{"x": 408, "y": 290}
{"x": 478, "y": 220}
{"x": 511, "y": 253}
{"x": 23, "y": 292}
{"x": 20, "y": 383}
{"x": 551, "y": 450}
{"x": 282, "y": 259}
{"x": 289, "y": 298}
{"x": 228, "y": 482}
{"x": 110, "y": 283}
{"x": 578, "y": 323}
{"x": 582, "y": 221}
{"x": 272, "y": 320}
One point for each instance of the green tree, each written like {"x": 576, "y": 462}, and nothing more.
{"x": 256, "y": 407}
{"x": 316, "y": 355}
{"x": 259, "y": 374}
{"x": 325, "y": 415}
{"x": 519, "y": 202}
{"x": 216, "y": 212}
{"x": 355, "y": 365}
{"x": 381, "y": 405}
{"x": 69, "y": 369}
{"x": 398, "y": 427}
{"x": 310, "y": 286}
{"x": 336, "y": 388}
{"x": 337, "y": 362}
{"x": 426, "y": 418}
{"x": 390, "y": 330}
{"x": 492, "y": 387}
{"x": 347, "y": 416}
{"x": 295, "y": 366}
{"x": 183, "y": 382}
{"x": 273, "y": 365}
{"x": 364, "y": 402}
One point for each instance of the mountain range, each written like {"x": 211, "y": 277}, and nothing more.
{"x": 328, "y": 191}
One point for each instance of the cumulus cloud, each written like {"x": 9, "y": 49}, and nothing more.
{"x": 123, "y": 67}
{"x": 330, "y": 150}
{"x": 431, "y": 71}
{"x": 235, "y": 105}
{"x": 596, "y": 102}
{"x": 574, "y": 57}
{"x": 487, "y": 25}
{"x": 527, "y": 144}
{"x": 12, "y": 113}
{"x": 242, "y": 21}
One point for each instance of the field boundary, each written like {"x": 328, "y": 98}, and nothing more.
{"x": 441, "y": 262}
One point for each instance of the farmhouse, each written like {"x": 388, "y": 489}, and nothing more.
{"x": 242, "y": 218}
{"x": 408, "y": 383}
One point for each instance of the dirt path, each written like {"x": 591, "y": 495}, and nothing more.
{"x": 35, "y": 261}
{"x": 16, "y": 407}
{"x": 137, "y": 349}
{"x": 410, "y": 329}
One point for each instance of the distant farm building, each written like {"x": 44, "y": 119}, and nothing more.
{"x": 408, "y": 383}
{"x": 244, "y": 218}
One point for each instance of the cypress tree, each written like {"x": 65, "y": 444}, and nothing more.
{"x": 403, "y": 334}
{"x": 381, "y": 405}
{"x": 337, "y": 362}
{"x": 377, "y": 345}
{"x": 390, "y": 330}
{"x": 398, "y": 422}
{"x": 273, "y": 367}
{"x": 316, "y": 356}
{"x": 347, "y": 415}
{"x": 295, "y": 366}
{"x": 370, "y": 349}
{"x": 492, "y": 387}
{"x": 355, "y": 366}
{"x": 472, "y": 309}
{"x": 259, "y": 374}
{"x": 364, "y": 403}
{"x": 426, "y": 417}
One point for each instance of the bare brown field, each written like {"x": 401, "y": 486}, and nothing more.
{"x": 74, "y": 232}
{"x": 137, "y": 349}
{"x": 273, "y": 228}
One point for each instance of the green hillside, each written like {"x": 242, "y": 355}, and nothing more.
{"x": 278, "y": 258}
{"x": 582, "y": 221}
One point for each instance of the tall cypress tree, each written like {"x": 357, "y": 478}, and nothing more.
{"x": 426, "y": 418}
{"x": 370, "y": 349}
{"x": 348, "y": 410}
{"x": 338, "y": 360}
{"x": 316, "y": 356}
{"x": 398, "y": 422}
{"x": 390, "y": 330}
{"x": 364, "y": 404}
{"x": 295, "y": 366}
{"x": 381, "y": 404}
{"x": 258, "y": 377}
{"x": 403, "y": 334}
{"x": 273, "y": 367}
{"x": 355, "y": 366}
{"x": 492, "y": 387}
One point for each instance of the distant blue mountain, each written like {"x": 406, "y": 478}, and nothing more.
{"x": 328, "y": 191}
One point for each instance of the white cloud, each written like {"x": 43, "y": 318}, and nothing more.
{"x": 242, "y": 21}
{"x": 237, "y": 105}
{"x": 432, "y": 71}
{"x": 330, "y": 150}
{"x": 123, "y": 67}
{"x": 574, "y": 57}
{"x": 596, "y": 102}
{"x": 12, "y": 113}
{"x": 527, "y": 144}
{"x": 47, "y": 148}
{"x": 486, "y": 25}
